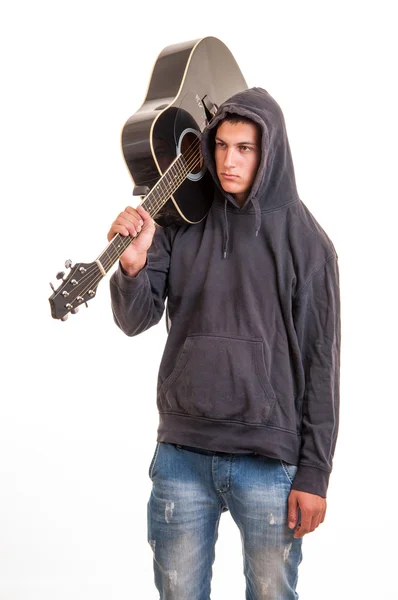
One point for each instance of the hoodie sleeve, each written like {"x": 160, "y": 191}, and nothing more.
{"x": 138, "y": 302}
{"x": 317, "y": 322}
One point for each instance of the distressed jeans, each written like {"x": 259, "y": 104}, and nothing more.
{"x": 189, "y": 493}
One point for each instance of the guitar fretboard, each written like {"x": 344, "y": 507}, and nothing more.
{"x": 152, "y": 203}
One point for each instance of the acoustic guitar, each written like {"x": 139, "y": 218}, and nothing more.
{"x": 161, "y": 148}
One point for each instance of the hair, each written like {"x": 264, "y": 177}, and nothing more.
{"x": 235, "y": 118}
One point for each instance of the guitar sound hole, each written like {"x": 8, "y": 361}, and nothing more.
{"x": 190, "y": 148}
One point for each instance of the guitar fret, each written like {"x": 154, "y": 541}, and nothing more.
{"x": 139, "y": 139}
{"x": 113, "y": 251}
{"x": 169, "y": 183}
{"x": 153, "y": 201}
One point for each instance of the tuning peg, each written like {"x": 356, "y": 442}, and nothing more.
{"x": 52, "y": 287}
{"x": 60, "y": 275}
{"x": 64, "y": 318}
{"x": 68, "y": 264}
{"x": 74, "y": 310}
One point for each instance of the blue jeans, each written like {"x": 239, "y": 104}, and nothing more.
{"x": 189, "y": 493}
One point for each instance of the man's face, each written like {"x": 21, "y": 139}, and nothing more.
{"x": 237, "y": 156}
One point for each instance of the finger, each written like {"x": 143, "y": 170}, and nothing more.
{"x": 323, "y": 514}
{"x": 123, "y": 229}
{"x": 117, "y": 228}
{"x": 141, "y": 219}
{"x": 298, "y": 533}
{"x": 292, "y": 511}
{"x": 316, "y": 521}
{"x": 131, "y": 221}
{"x": 304, "y": 527}
{"x": 132, "y": 213}
{"x": 146, "y": 217}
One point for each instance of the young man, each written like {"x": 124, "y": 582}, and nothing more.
{"x": 249, "y": 379}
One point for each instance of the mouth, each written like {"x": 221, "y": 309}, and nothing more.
{"x": 228, "y": 176}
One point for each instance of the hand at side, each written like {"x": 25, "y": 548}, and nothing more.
{"x": 312, "y": 509}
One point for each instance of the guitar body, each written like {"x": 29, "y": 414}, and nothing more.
{"x": 189, "y": 81}
{"x": 161, "y": 147}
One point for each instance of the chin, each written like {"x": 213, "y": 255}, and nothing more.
{"x": 230, "y": 188}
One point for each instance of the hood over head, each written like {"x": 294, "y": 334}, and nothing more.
{"x": 275, "y": 184}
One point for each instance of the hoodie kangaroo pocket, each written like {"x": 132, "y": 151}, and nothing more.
{"x": 219, "y": 377}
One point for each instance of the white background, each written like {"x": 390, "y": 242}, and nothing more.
{"x": 78, "y": 416}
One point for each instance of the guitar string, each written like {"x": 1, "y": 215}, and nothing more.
{"x": 191, "y": 153}
{"x": 193, "y": 160}
{"x": 162, "y": 185}
{"x": 178, "y": 179}
{"x": 112, "y": 253}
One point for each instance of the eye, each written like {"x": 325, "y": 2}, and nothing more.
{"x": 245, "y": 148}
{"x": 219, "y": 144}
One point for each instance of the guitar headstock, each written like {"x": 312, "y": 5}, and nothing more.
{"x": 77, "y": 287}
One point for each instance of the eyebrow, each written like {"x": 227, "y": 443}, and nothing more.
{"x": 238, "y": 143}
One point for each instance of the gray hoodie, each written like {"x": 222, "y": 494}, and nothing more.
{"x": 251, "y": 362}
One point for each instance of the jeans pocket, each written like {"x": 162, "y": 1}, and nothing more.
{"x": 153, "y": 461}
{"x": 290, "y": 470}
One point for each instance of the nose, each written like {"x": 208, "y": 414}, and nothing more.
{"x": 229, "y": 159}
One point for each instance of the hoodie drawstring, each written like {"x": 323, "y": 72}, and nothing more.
{"x": 257, "y": 211}
{"x": 226, "y": 233}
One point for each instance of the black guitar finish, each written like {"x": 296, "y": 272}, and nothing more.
{"x": 189, "y": 81}
{"x": 161, "y": 147}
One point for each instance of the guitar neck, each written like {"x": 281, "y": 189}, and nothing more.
{"x": 170, "y": 181}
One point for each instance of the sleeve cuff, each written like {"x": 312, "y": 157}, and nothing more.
{"x": 311, "y": 480}
{"x": 127, "y": 284}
